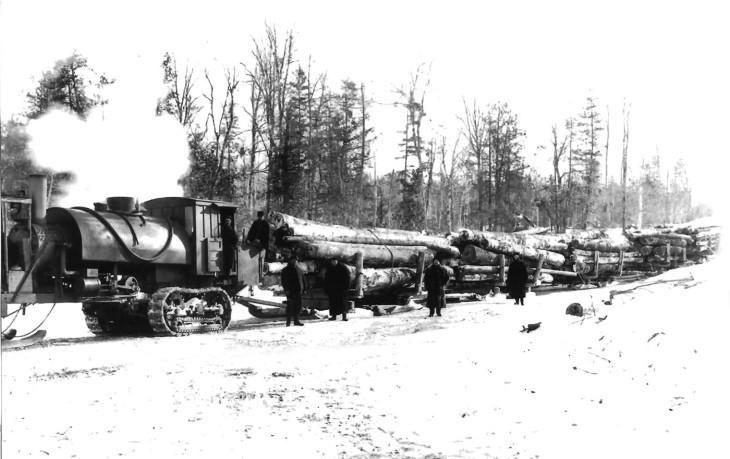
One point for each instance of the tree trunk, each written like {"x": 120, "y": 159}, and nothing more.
{"x": 554, "y": 243}
{"x": 473, "y": 255}
{"x": 464, "y": 270}
{"x": 507, "y": 248}
{"x": 636, "y": 258}
{"x": 307, "y": 267}
{"x": 372, "y": 279}
{"x": 314, "y": 231}
{"x": 383, "y": 279}
{"x": 373, "y": 255}
{"x": 671, "y": 251}
{"x": 664, "y": 239}
{"x": 603, "y": 245}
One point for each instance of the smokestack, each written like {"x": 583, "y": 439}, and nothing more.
{"x": 38, "y": 183}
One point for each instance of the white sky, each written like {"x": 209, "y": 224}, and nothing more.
{"x": 668, "y": 59}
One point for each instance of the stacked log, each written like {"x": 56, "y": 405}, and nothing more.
{"x": 473, "y": 255}
{"x": 492, "y": 240}
{"x": 389, "y": 259}
{"x": 373, "y": 255}
{"x": 672, "y": 245}
{"x": 298, "y": 229}
{"x": 394, "y": 259}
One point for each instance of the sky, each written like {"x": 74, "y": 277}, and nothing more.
{"x": 667, "y": 60}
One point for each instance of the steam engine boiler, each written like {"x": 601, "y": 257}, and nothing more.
{"x": 154, "y": 267}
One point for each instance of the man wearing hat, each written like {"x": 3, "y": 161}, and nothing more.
{"x": 435, "y": 278}
{"x": 292, "y": 279}
{"x": 258, "y": 234}
{"x": 230, "y": 242}
{"x": 336, "y": 284}
{"x": 517, "y": 279}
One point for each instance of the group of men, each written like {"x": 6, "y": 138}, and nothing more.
{"x": 337, "y": 277}
{"x": 435, "y": 278}
{"x": 337, "y": 281}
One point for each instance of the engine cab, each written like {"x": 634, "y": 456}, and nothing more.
{"x": 168, "y": 263}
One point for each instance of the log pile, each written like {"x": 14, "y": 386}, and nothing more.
{"x": 379, "y": 259}
{"x": 672, "y": 245}
{"x": 383, "y": 260}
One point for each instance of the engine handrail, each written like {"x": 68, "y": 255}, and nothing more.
{"x": 125, "y": 248}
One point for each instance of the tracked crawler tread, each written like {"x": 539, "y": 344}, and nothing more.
{"x": 164, "y": 321}
{"x": 92, "y": 323}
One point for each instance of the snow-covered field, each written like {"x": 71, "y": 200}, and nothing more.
{"x": 649, "y": 380}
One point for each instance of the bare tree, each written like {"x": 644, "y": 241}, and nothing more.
{"x": 448, "y": 180}
{"x": 364, "y": 153}
{"x": 624, "y": 162}
{"x": 272, "y": 62}
{"x": 222, "y": 127}
{"x": 429, "y": 177}
{"x": 560, "y": 147}
{"x": 476, "y": 130}
{"x": 179, "y": 100}
{"x": 413, "y": 192}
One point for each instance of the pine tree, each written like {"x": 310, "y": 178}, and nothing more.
{"x": 587, "y": 157}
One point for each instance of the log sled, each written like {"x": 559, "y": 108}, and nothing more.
{"x": 389, "y": 264}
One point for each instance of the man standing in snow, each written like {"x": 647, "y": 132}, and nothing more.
{"x": 292, "y": 279}
{"x": 517, "y": 280}
{"x": 435, "y": 278}
{"x": 336, "y": 284}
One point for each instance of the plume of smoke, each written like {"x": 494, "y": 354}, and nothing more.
{"x": 121, "y": 149}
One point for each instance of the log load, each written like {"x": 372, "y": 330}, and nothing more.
{"x": 507, "y": 248}
{"x": 670, "y": 251}
{"x": 373, "y": 280}
{"x": 614, "y": 245}
{"x": 667, "y": 233}
{"x": 656, "y": 241}
{"x": 553, "y": 243}
{"x": 373, "y": 255}
{"x": 630, "y": 258}
{"x": 665, "y": 262}
{"x": 494, "y": 278}
{"x": 475, "y": 269}
{"x": 473, "y": 255}
{"x": 384, "y": 279}
{"x": 313, "y": 231}
{"x": 307, "y": 267}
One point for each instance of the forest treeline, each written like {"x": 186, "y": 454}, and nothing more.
{"x": 268, "y": 133}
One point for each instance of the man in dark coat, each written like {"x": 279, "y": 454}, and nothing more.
{"x": 258, "y": 234}
{"x": 292, "y": 279}
{"x": 336, "y": 284}
{"x": 517, "y": 280}
{"x": 230, "y": 242}
{"x": 435, "y": 278}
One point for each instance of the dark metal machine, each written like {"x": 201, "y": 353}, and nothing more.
{"x": 154, "y": 267}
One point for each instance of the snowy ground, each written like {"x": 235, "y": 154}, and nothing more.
{"x": 648, "y": 381}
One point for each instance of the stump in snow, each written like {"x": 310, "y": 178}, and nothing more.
{"x": 575, "y": 309}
